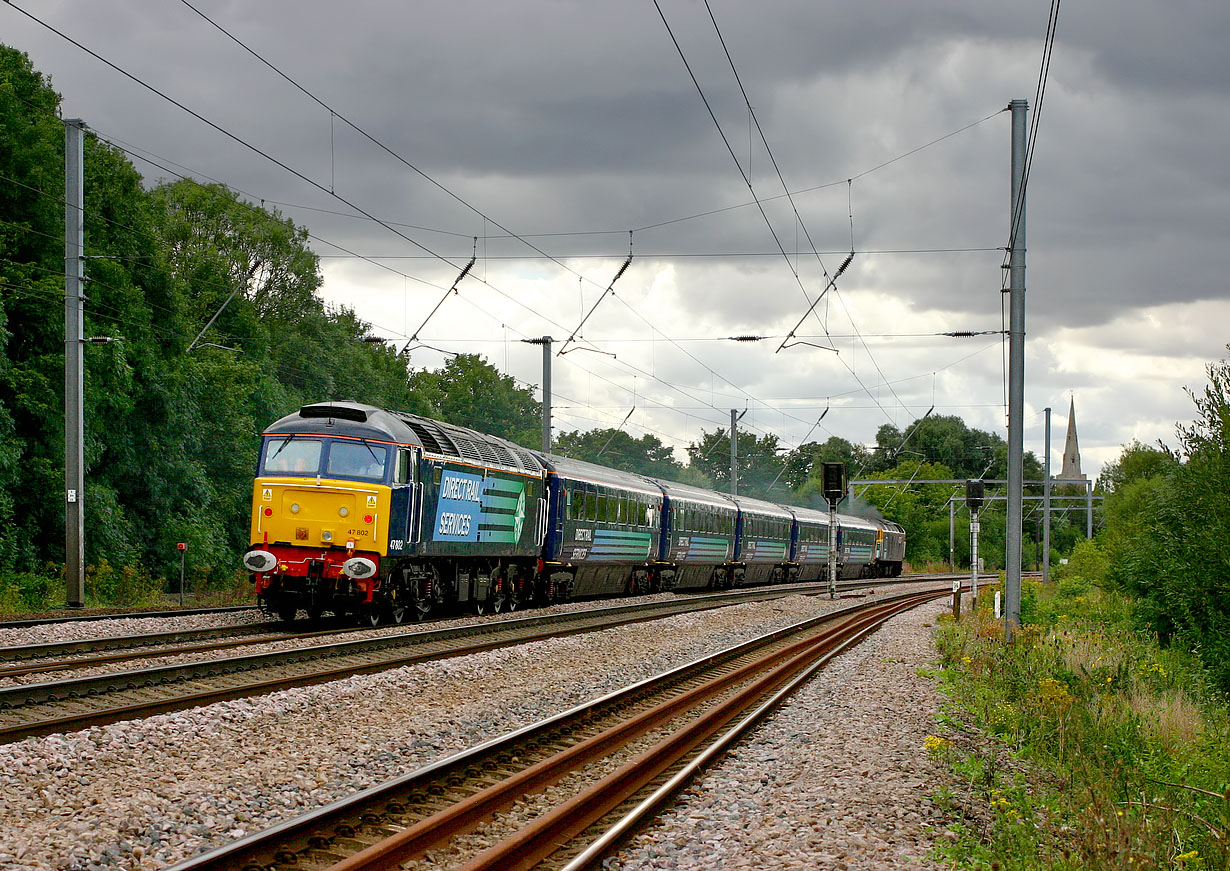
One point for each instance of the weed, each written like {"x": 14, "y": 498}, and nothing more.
{"x": 1099, "y": 749}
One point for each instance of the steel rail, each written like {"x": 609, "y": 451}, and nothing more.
{"x": 640, "y": 815}
{"x": 543, "y": 837}
{"x": 123, "y": 615}
{"x": 46, "y": 699}
{"x": 136, "y": 646}
{"x": 304, "y": 835}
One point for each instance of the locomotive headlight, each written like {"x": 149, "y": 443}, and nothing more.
{"x": 343, "y": 511}
{"x": 259, "y": 561}
{"x": 294, "y": 509}
{"x": 358, "y": 568}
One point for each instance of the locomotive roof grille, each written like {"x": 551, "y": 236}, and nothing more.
{"x": 452, "y": 441}
{"x": 431, "y": 437}
{"x": 527, "y": 459}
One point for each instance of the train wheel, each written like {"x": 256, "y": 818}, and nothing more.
{"x": 369, "y": 615}
{"x": 397, "y": 611}
{"x": 479, "y": 606}
{"x": 287, "y": 613}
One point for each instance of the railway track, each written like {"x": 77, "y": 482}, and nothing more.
{"x": 31, "y": 659}
{"x": 20, "y": 661}
{"x": 579, "y": 782}
{"x": 78, "y": 702}
{"x": 122, "y": 615}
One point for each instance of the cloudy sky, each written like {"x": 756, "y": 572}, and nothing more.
{"x": 561, "y": 134}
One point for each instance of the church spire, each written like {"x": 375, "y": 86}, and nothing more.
{"x": 1071, "y": 451}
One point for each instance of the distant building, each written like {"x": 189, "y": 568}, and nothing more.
{"x": 1071, "y": 451}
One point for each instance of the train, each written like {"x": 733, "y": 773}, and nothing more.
{"x": 383, "y": 516}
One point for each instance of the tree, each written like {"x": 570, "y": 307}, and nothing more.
{"x": 169, "y": 434}
{"x": 759, "y": 462}
{"x": 944, "y": 439}
{"x": 618, "y": 450}
{"x": 1167, "y": 532}
{"x": 804, "y": 462}
{"x": 1137, "y": 462}
{"x": 922, "y": 509}
{"x": 469, "y": 391}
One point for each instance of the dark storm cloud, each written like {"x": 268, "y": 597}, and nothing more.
{"x": 557, "y": 117}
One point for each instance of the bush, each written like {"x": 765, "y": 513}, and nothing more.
{"x": 1121, "y": 749}
{"x": 130, "y": 585}
{"x": 31, "y": 592}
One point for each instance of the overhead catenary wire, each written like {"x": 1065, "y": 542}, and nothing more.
{"x": 730, "y": 149}
{"x": 409, "y": 165}
{"x": 515, "y": 301}
{"x": 698, "y": 361}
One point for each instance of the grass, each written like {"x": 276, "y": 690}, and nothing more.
{"x": 108, "y": 587}
{"x": 1082, "y": 745}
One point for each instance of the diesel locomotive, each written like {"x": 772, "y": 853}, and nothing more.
{"x": 384, "y": 515}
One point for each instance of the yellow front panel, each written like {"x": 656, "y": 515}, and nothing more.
{"x": 300, "y": 512}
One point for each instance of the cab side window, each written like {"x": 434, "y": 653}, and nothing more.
{"x": 403, "y": 475}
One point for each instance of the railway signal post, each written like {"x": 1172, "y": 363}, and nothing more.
{"x": 974, "y": 494}
{"x": 182, "y": 547}
{"x": 834, "y": 487}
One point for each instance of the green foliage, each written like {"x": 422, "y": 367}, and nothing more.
{"x": 759, "y": 463}
{"x": 129, "y": 585}
{"x": 29, "y": 592}
{"x": 1087, "y": 567}
{"x": 946, "y": 440}
{"x": 171, "y": 416}
{"x": 469, "y": 391}
{"x": 615, "y": 448}
{"x": 803, "y": 464}
{"x": 1138, "y": 462}
{"x": 1100, "y": 725}
{"x": 1167, "y": 527}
